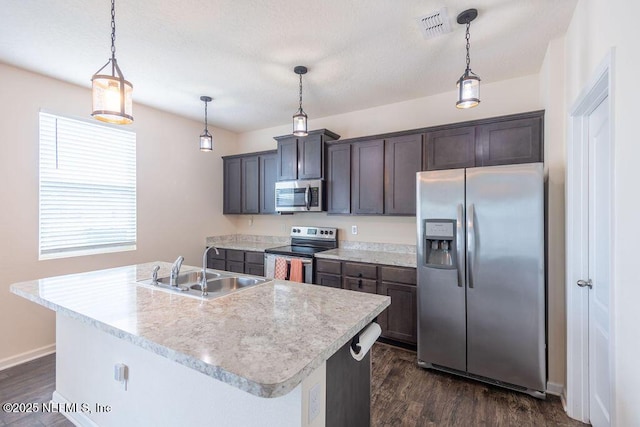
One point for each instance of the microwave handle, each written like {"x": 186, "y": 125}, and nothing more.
{"x": 307, "y": 197}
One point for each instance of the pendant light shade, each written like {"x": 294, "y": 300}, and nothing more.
{"x": 300, "y": 118}
{"x": 468, "y": 90}
{"x": 111, "y": 93}
{"x": 206, "y": 140}
{"x": 469, "y": 83}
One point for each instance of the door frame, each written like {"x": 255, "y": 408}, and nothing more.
{"x": 576, "y": 195}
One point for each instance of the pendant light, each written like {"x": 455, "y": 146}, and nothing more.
{"x": 469, "y": 83}
{"x": 112, "y": 94}
{"x": 206, "y": 140}
{"x": 300, "y": 118}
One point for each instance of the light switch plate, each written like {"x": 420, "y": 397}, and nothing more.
{"x": 354, "y": 229}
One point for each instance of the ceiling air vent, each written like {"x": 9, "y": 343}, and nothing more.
{"x": 434, "y": 24}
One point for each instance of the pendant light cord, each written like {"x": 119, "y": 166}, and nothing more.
{"x": 300, "y": 91}
{"x": 468, "y": 46}
{"x": 113, "y": 29}
{"x": 205, "y": 117}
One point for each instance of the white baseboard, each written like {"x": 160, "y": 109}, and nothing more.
{"x": 78, "y": 418}
{"x": 555, "y": 389}
{"x": 21, "y": 358}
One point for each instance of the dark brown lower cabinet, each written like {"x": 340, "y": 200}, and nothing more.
{"x": 361, "y": 285}
{"x": 328, "y": 273}
{"x": 253, "y": 263}
{"x": 217, "y": 260}
{"x": 255, "y": 269}
{"x": 237, "y": 261}
{"x": 235, "y": 266}
{"x": 330, "y": 280}
{"x": 399, "y": 321}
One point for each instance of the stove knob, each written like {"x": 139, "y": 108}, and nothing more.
{"x": 322, "y": 231}
{"x": 295, "y": 230}
{"x": 331, "y": 232}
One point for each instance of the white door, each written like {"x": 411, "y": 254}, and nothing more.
{"x": 599, "y": 259}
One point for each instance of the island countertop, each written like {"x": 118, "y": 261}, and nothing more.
{"x": 264, "y": 339}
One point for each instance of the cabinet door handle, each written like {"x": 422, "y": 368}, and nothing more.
{"x": 359, "y": 274}
{"x": 360, "y": 284}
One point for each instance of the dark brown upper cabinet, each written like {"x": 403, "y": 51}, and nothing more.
{"x": 232, "y": 191}
{"x": 488, "y": 142}
{"x": 338, "y": 179}
{"x": 402, "y": 160}
{"x": 287, "y": 159}
{"x": 268, "y": 172}
{"x": 514, "y": 141}
{"x": 249, "y": 183}
{"x": 451, "y": 148}
{"x": 367, "y": 180}
{"x": 302, "y": 157}
{"x": 375, "y": 175}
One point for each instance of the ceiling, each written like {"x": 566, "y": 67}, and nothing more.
{"x": 360, "y": 54}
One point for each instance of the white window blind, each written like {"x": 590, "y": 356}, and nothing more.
{"x": 87, "y": 188}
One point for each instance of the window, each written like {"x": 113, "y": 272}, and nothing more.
{"x": 87, "y": 188}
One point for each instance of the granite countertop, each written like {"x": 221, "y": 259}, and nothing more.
{"x": 245, "y": 246}
{"x": 264, "y": 339}
{"x": 373, "y": 257}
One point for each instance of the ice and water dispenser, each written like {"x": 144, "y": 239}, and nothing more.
{"x": 440, "y": 243}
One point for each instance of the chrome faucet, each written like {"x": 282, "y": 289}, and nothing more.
{"x": 154, "y": 274}
{"x": 175, "y": 270}
{"x": 203, "y": 285}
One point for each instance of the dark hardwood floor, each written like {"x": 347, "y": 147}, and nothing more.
{"x": 30, "y": 382}
{"x": 402, "y": 395}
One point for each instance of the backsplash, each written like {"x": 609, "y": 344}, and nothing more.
{"x": 248, "y": 238}
{"x": 285, "y": 240}
{"x": 378, "y": 247}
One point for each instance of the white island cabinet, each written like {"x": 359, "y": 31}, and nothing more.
{"x": 275, "y": 354}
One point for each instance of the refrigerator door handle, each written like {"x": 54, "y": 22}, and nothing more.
{"x": 471, "y": 243}
{"x": 460, "y": 244}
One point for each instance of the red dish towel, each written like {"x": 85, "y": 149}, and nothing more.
{"x": 281, "y": 269}
{"x": 296, "y": 270}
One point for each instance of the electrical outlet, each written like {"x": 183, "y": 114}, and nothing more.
{"x": 314, "y": 401}
{"x": 354, "y": 229}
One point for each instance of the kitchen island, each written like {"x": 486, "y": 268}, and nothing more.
{"x": 253, "y": 357}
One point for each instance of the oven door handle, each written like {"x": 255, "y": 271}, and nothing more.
{"x": 307, "y": 197}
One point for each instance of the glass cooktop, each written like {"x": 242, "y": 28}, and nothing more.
{"x": 304, "y": 251}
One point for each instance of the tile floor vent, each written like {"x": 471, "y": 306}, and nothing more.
{"x": 434, "y": 24}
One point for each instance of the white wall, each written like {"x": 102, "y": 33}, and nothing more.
{"x": 596, "y": 27}
{"x": 552, "y": 96}
{"x": 179, "y": 198}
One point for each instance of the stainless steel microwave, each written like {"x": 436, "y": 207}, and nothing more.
{"x": 299, "y": 196}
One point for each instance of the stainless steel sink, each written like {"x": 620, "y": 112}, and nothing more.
{"x": 189, "y": 278}
{"x": 228, "y": 284}
{"x": 190, "y": 284}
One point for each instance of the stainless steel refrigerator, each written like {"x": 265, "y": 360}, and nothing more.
{"x": 481, "y": 276}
